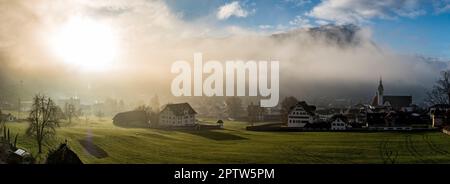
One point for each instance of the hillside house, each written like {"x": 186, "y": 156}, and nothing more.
{"x": 181, "y": 114}
{"x": 301, "y": 114}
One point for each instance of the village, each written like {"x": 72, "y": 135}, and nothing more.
{"x": 383, "y": 113}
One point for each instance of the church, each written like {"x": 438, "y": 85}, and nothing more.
{"x": 390, "y": 101}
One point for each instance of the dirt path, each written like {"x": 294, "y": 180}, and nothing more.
{"x": 93, "y": 149}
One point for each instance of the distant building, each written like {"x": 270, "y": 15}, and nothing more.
{"x": 7, "y": 117}
{"x": 324, "y": 114}
{"x": 376, "y": 119}
{"x": 390, "y": 101}
{"x": 26, "y": 106}
{"x": 272, "y": 114}
{"x": 440, "y": 115}
{"x": 181, "y": 114}
{"x": 131, "y": 119}
{"x": 256, "y": 113}
{"x": 220, "y": 123}
{"x": 75, "y": 101}
{"x": 357, "y": 114}
{"x": 301, "y": 114}
{"x": 339, "y": 122}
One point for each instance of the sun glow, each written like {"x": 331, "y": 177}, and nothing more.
{"x": 85, "y": 43}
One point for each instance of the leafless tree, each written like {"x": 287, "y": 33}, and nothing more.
{"x": 440, "y": 94}
{"x": 43, "y": 119}
{"x": 286, "y": 105}
{"x": 100, "y": 114}
{"x": 2, "y": 121}
{"x": 233, "y": 107}
{"x": 154, "y": 104}
{"x": 144, "y": 108}
{"x": 70, "y": 111}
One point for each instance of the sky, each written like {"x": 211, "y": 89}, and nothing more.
{"x": 417, "y": 27}
{"x": 125, "y": 49}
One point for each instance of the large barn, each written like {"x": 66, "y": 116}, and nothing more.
{"x": 132, "y": 119}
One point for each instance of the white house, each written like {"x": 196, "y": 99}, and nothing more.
{"x": 177, "y": 115}
{"x": 301, "y": 114}
{"x": 339, "y": 122}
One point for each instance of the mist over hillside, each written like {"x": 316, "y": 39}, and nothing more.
{"x": 319, "y": 64}
{"x": 345, "y": 64}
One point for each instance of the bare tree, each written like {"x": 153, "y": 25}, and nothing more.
{"x": 2, "y": 121}
{"x": 43, "y": 119}
{"x": 286, "y": 105}
{"x": 440, "y": 94}
{"x": 144, "y": 108}
{"x": 233, "y": 107}
{"x": 70, "y": 111}
{"x": 100, "y": 114}
{"x": 151, "y": 114}
{"x": 154, "y": 104}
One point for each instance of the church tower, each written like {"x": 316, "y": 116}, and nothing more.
{"x": 380, "y": 92}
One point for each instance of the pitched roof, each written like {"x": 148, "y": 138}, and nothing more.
{"x": 374, "y": 101}
{"x": 5, "y": 116}
{"x": 179, "y": 109}
{"x": 310, "y": 109}
{"x": 398, "y": 101}
{"x": 131, "y": 116}
{"x": 339, "y": 116}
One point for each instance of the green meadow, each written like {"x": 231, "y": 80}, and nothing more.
{"x": 99, "y": 141}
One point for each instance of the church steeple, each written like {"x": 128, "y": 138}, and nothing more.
{"x": 380, "y": 92}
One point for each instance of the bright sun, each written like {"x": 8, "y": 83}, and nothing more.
{"x": 85, "y": 43}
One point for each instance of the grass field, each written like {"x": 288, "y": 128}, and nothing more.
{"x": 101, "y": 142}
